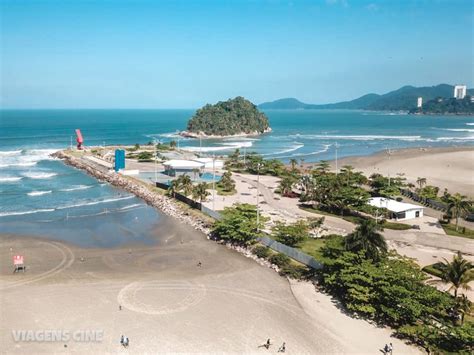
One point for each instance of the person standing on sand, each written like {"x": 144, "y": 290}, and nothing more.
{"x": 122, "y": 340}
{"x": 390, "y": 348}
{"x": 282, "y": 348}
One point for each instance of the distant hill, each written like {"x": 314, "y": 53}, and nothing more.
{"x": 403, "y": 99}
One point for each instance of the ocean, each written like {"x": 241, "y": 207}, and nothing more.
{"x": 42, "y": 197}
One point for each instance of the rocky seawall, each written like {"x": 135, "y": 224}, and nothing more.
{"x": 165, "y": 204}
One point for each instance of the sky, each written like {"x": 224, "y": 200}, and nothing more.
{"x": 184, "y": 54}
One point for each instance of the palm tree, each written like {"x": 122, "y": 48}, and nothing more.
{"x": 323, "y": 167}
{"x": 200, "y": 192}
{"x": 367, "y": 237}
{"x": 463, "y": 306}
{"x": 458, "y": 205}
{"x": 293, "y": 163}
{"x": 459, "y": 272}
{"x": 421, "y": 182}
{"x": 173, "y": 188}
{"x": 286, "y": 185}
{"x": 186, "y": 184}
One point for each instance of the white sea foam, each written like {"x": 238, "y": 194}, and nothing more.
{"x": 77, "y": 187}
{"x": 459, "y": 129}
{"x": 9, "y": 152}
{"x": 454, "y": 139}
{"x": 39, "y": 175}
{"x": 223, "y": 146}
{"x": 96, "y": 202}
{"x": 131, "y": 206}
{"x": 470, "y": 124}
{"x": 10, "y": 178}
{"x": 38, "y": 193}
{"x": 356, "y": 137}
{"x": 18, "y": 213}
{"x": 7, "y": 165}
{"x": 287, "y": 150}
{"x": 325, "y": 149}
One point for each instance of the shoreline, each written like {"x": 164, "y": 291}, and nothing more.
{"x": 444, "y": 167}
{"x": 188, "y": 134}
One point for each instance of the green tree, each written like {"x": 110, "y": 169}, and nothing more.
{"x": 145, "y": 156}
{"x": 291, "y": 234}
{"x": 458, "y": 205}
{"x": 185, "y": 184}
{"x": 226, "y": 182}
{"x": 239, "y": 224}
{"x": 173, "y": 144}
{"x": 286, "y": 185}
{"x": 294, "y": 164}
{"x": 458, "y": 273}
{"x": 463, "y": 306}
{"x": 200, "y": 192}
{"x": 366, "y": 238}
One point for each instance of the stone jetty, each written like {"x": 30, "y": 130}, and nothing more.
{"x": 140, "y": 189}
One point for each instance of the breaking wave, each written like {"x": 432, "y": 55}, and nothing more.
{"x": 91, "y": 203}
{"x": 32, "y": 175}
{"x": 223, "y": 146}
{"x": 10, "y": 152}
{"x": 10, "y": 178}
{"x": 18, "y": 213}
{"x": 39, "y": 193}
{"x": 77, "y": 187}
{"x": 356, "y": 137}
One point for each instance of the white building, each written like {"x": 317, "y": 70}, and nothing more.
{"x": 460, "y": 91}
{"x": 210, "y": 164}
{"x": 178, "y": 167}
{"x": 400, "y": 210}
{"x": 419, "y": 102}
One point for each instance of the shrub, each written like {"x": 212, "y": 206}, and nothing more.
{"x": 261, "y": 251}
{"x": 280, "y": 260}
{"x": 294, "y": 271}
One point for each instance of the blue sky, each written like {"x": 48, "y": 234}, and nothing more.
{"x": 183, "y": 54}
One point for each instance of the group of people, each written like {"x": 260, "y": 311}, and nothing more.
{"x": 281, "y": 349}
{"x": 124, "y": 341}
{"x": 388, "y": 349}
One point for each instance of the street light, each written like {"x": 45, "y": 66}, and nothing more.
{"x": 154, "y": 145}
{"x": 258, "y": 184}
{"x": 213, "y": 180}
{"x": 337, "y": 170}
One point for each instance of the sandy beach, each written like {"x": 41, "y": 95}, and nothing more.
{"x": 451, "y": 168}
{"x": 169, "y": 304}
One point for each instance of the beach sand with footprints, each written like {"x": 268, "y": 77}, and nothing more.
{"x": 169, "y": 304}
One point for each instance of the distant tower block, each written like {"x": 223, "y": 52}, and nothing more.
{"x": 419, "y": 102}
{"x": 460, "y": 91}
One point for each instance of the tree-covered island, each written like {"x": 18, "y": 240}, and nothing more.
{"x": 233, "y": 117}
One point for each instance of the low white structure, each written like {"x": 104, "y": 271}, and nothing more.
{"x": 460, "y": 91}
{"x": 400, "y": 210}
{"x": 177, "y": 167}
{"x": 209, "y": 164}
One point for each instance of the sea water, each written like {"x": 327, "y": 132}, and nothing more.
{"x": 41, "y": 196}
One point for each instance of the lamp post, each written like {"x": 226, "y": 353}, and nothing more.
{"x": 154, "y": 145}
{"x": 258, "y": 184}
{"x": 337, "y": 170}
{"x": 388, "y": 168}
{"x": 213, "y": 180}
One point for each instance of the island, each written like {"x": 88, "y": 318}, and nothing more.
{"x": 234, "y": 117}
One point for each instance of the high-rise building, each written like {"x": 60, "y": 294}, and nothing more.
{"x": 419, "y": 102}
{"x": 460, "y": 91}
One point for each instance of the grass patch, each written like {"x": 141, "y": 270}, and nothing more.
{"x": 396, "y": 226}
{"x": 464, "y": 232}
{"x": 352, "y": 219}
{"x": 222, "y": 192}
{"x": 434, "y": 269}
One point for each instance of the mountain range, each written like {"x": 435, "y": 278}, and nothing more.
{"x": 403, "y": 99}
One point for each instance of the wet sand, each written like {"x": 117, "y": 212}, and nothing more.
{"x": 169, "y": 304}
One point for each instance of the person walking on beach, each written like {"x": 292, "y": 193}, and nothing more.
{"x": 126, "y": 342}
{"x": 199, "y": 264}
{"x": 282, "y": 348}
{"x": 390, "y": 348}
{"x": 385, "y": 349}
{"x": 266, "y": 345}
{"x": 122, "y": 339}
